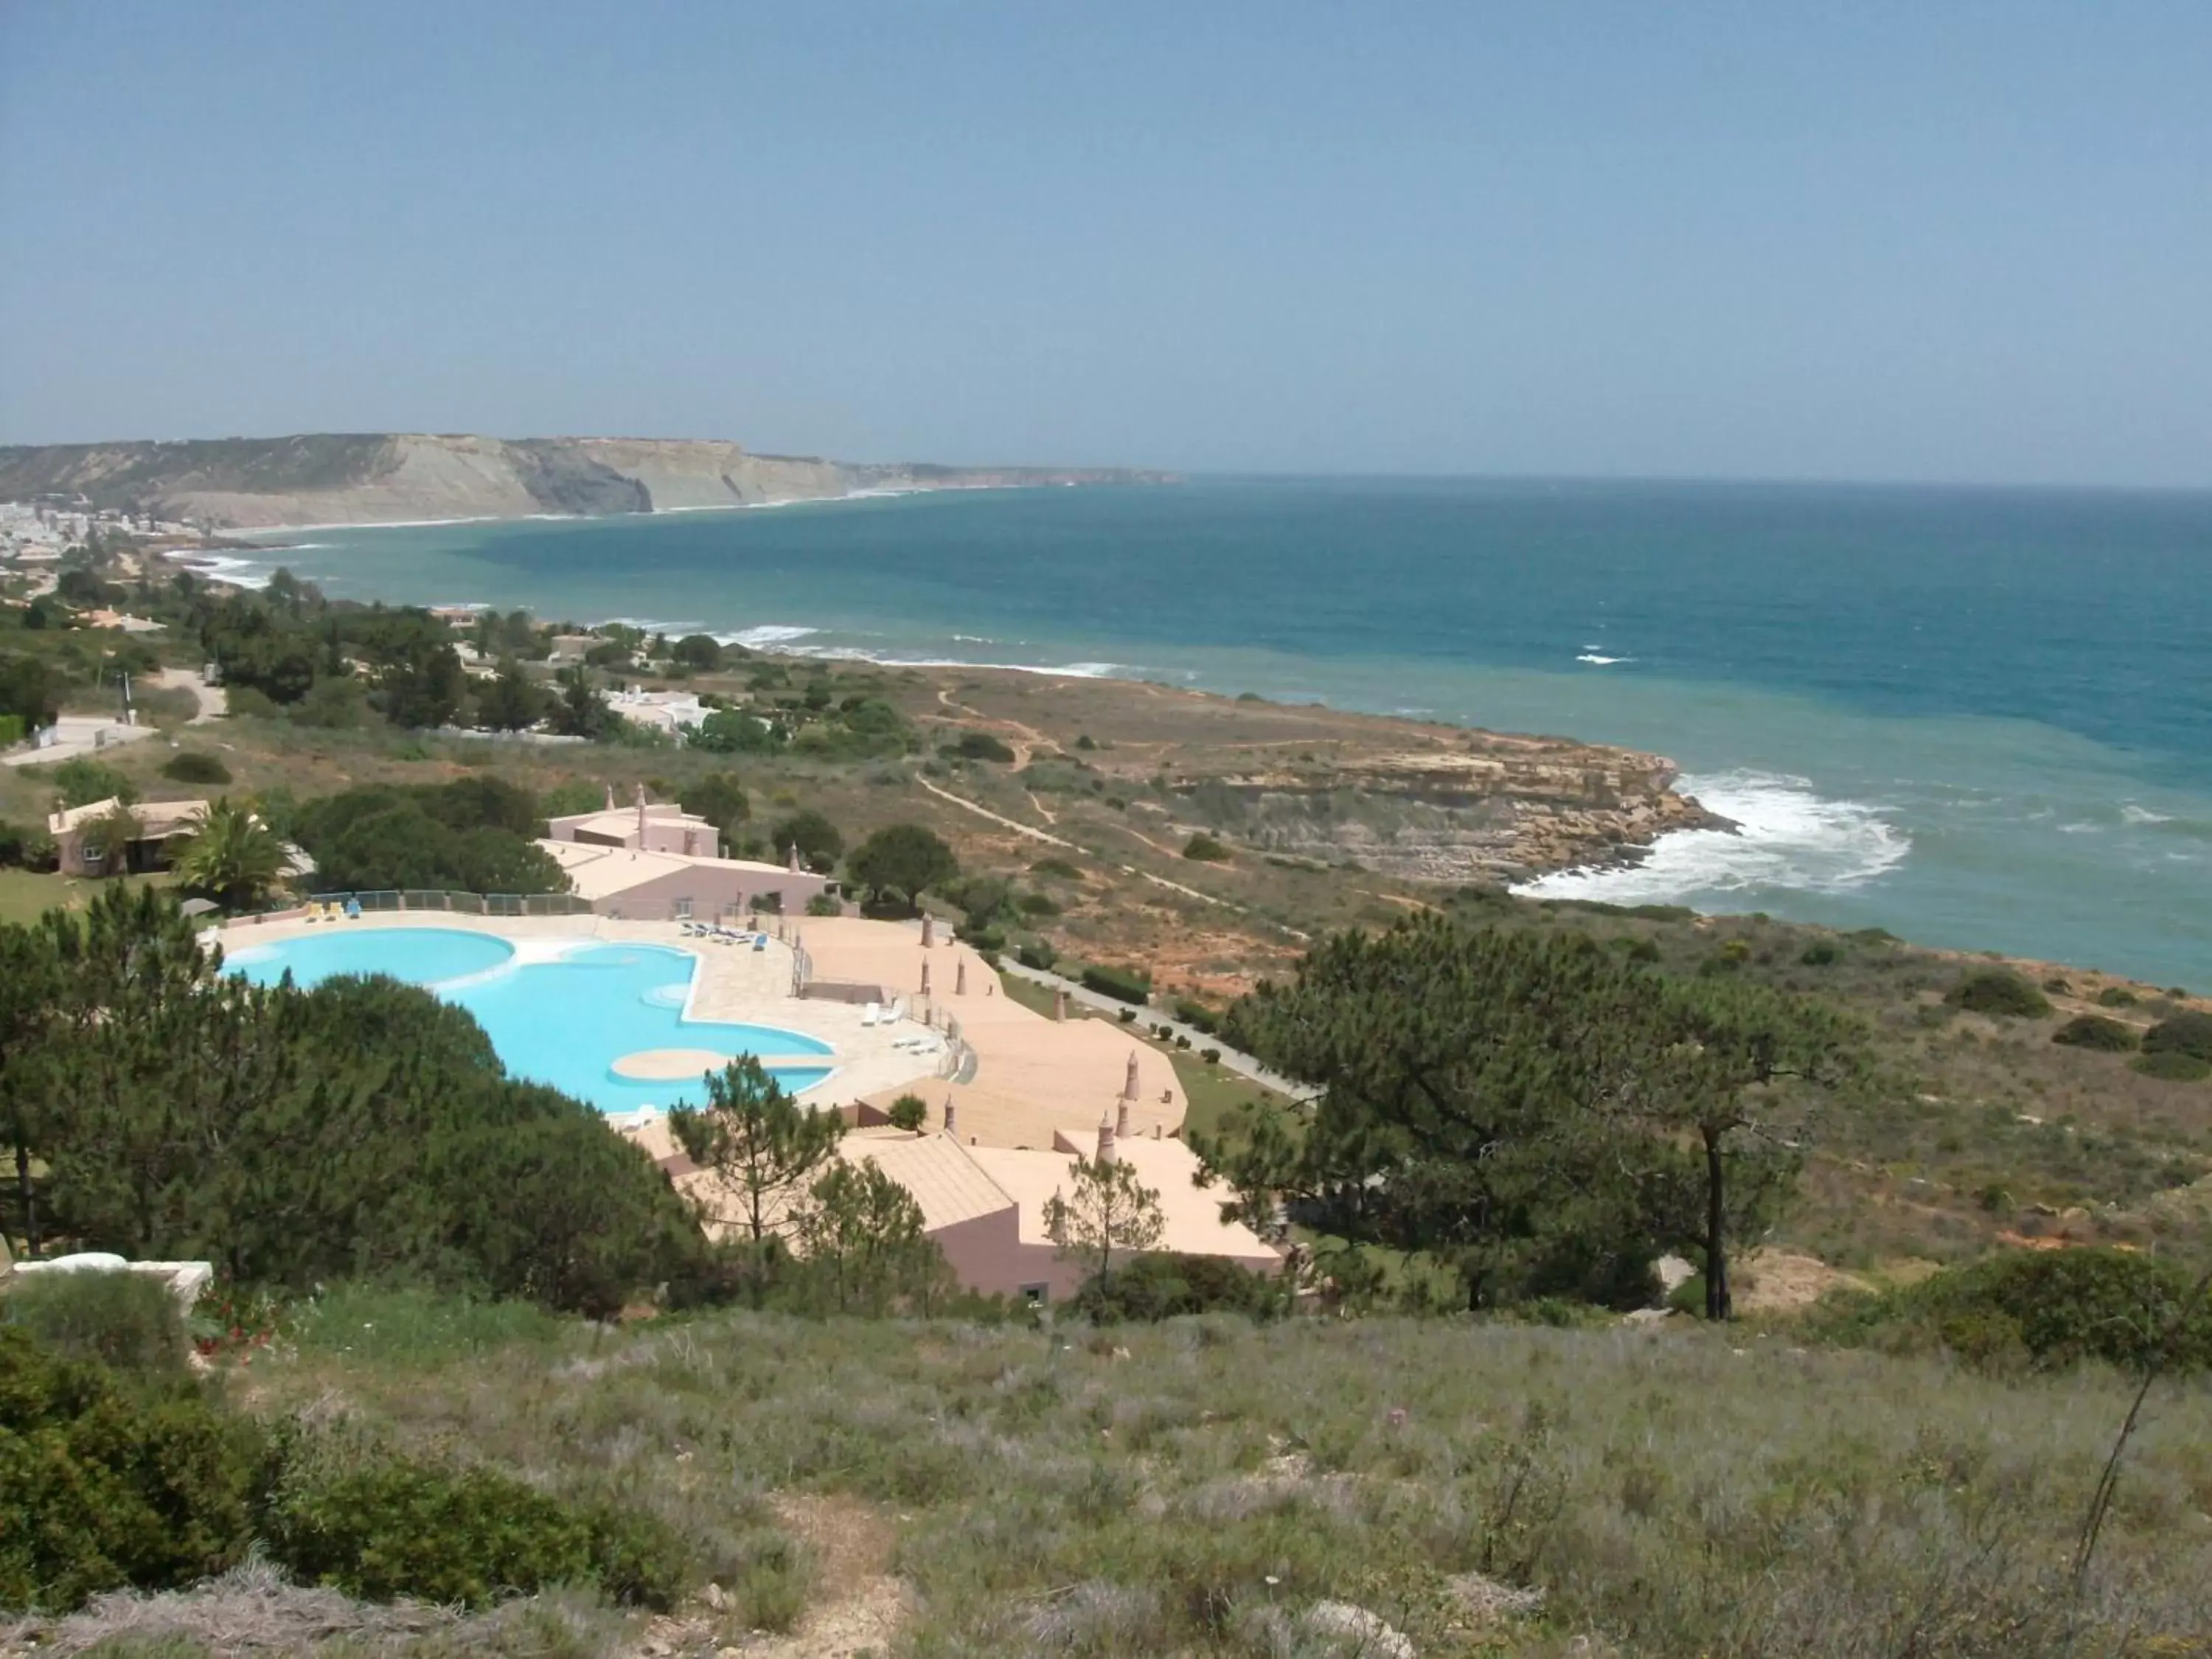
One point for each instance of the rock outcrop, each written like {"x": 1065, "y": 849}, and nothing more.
{"x": 1505, "y": 809}
{"x": 391, "y": 477}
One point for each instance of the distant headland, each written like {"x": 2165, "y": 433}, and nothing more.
{"x": 387, "y": 478}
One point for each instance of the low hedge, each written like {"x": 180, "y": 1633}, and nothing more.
{"x": 1125, "y": 984}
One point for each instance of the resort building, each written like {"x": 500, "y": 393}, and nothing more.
{"x": 656, "y": 862}
{"x": 986, "y": 1206}
{"x": 672, "y": 712}
{"x": 158, "y": 825}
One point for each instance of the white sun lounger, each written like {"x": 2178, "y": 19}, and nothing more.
{"x": 871, "y": 1014}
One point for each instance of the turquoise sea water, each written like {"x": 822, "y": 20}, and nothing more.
{"x": 562, "y": 1022}
{"x": 1977, "y": 718}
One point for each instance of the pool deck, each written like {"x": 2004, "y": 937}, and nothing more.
{"x": 733, "y": 984}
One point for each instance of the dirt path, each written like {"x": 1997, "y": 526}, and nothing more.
{"x": 213, "y": 700}
{"x": 982, "y": 811}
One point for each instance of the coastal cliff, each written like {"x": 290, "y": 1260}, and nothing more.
{"x": 1505, "y": 809}
{"x": 247, "y": 483}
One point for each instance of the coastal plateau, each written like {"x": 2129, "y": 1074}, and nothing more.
{"x": 340, "y": 478}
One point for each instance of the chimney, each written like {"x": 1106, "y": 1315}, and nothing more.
{"x": 960, "y": 976}
{"x": 1058, "y": 1003}
{"x": 641, "y": 815}
{"x": 924, "y": 979}
{"x": 610, "y": 798}
{"x": 951, "y": 1121}
{"x": 1129, "y": 1081}
{"x": 1121, "y": 1120}
{"x": 791, "y": 862}
{"x": 1105, "y": 1140}
{"x": 928, "y": 931}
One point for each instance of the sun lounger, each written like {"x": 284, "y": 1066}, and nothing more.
{"x": 760, "y": 941}
{"x": 871, "y": 1014}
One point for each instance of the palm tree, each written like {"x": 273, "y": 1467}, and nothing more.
{"x": 234, "y": 859}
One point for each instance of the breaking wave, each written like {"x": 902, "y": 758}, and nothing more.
{"x": 1786, "y": 837}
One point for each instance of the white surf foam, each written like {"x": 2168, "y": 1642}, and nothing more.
{"x": 1787, "y": 837}
{"x": 767, "y": 634}
{"x": 1601, "y": 661}
{"x": 2135, "y": 814}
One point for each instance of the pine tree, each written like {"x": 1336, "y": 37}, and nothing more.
{"x": 761, "y": 1149}
{"x": 1107, "y": 1214}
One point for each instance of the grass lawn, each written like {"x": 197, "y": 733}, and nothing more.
{"x": 26, "y": 895}
{"x": 1214, "y": 1091}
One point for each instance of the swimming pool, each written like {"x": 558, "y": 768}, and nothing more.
{"x": 560, "y": 1013}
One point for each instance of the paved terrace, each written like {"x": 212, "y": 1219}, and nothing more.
{"x": 1033, "y": 1076}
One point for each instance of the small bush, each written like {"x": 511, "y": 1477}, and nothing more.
{"x": 1206, "y": 849}
{"x": 1197, "y": 1015}
{"x": 2170, "y": 1066}
{"x": 1210, "y": 1056}
{"x": 2187, "y": 1034}
{"x": 2000, "y": 992}
{"x": 127, "y": 1320}
{"x": 908, "y": 1112}
{"x": 1036, "y": 953}
{"x": 1167, "y": 1284}
{"x": 978, "y": 746}
{"x": 2095, "y": 1032}
{"x": 1059, "y": 867}
{"x": 2116, "y": 996}
{"x": 1821, "y": 953}
{"x": 1126, "y": 984}
{"x": 100, "y": 1488}
{"x": 2053, "y": 1308}
{"x": 194, "y": 766}
{"x": 398, "y": 1528}
{"x": 1037, "y": 904}
{"x": 825, "y": 904}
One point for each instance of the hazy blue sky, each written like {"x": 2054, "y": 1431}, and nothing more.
{"x": 1947, "y": 241}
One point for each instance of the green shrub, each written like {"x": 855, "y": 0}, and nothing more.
{"x": 2051, "y": 1308}
{"x": 1166, "y": 1285}
{"x": 127, "y": 1320}
{"x": 908, "y": 1112}
{"x": 2001, "y": 992}
{"x": 195, "y": 766}
{"x": 825, "y": 904}
{"x": 101, "y": 1488}
{"x": 401, "y": 1528}
{"x": 1197, "y": 1015}
{"x": 2170, "y": 1066}
{"x": 1821, "y": 953}
{"x": 2187, "y": 1033}
{"x": 1037, "y": 904}
{"x": 1125, "y": 984}
{"x": 2117, "y": 996}
{"x": 2095, "y": 1032}
{"x": 1206, "y": 849}
{"x": 978, "y": 746}
{"x": 1055, "y": 866}
{"x": 1036, "y": 953}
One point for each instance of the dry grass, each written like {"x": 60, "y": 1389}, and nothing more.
{"x": 1201, "y": 1487}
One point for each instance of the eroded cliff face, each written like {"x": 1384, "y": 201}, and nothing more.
{"x": 1507, "y": 808}
{"x": 386, "y": 477}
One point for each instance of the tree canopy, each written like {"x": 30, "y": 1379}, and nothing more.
{"x": 1539, "y": 1116}
{"x": 900, "y": 862}
{"x": 361, "y": 1128}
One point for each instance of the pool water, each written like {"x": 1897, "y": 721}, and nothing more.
{"x": 563, "y": 1019}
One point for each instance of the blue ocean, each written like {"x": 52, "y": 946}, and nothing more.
{"x": 1977, "y": 718}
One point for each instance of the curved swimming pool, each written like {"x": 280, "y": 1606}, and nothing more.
{"x": 563, "y": 1018}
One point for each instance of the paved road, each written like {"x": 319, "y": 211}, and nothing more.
{"x": 79, "y": 735}
{"x": 1232, "y": 1058}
